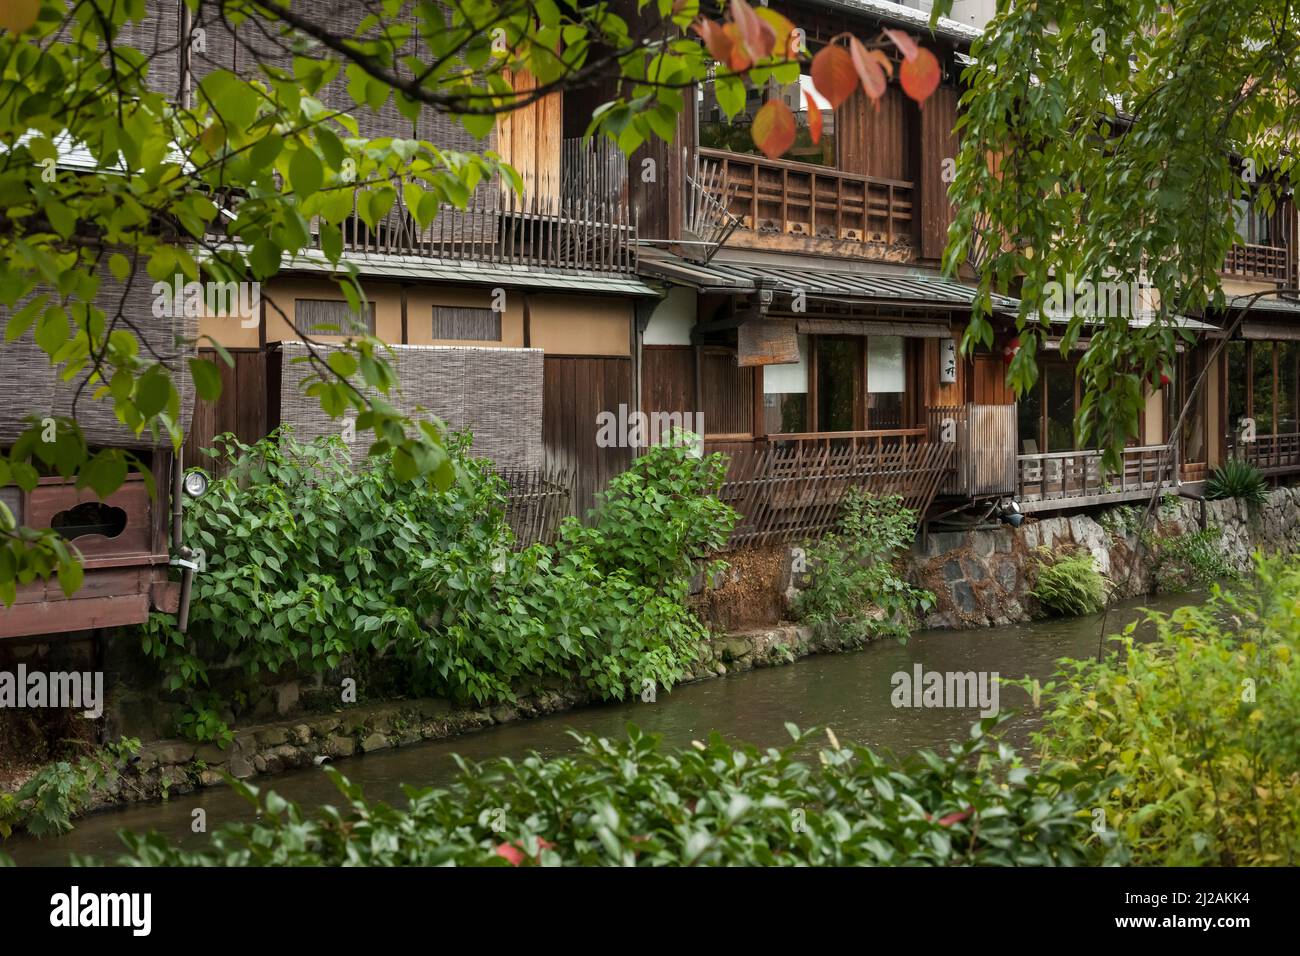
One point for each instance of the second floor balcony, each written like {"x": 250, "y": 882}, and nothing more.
{"x": 1250, "y": 261}
{"x": 783, "y": 205}
{"x": 540, "y": 230}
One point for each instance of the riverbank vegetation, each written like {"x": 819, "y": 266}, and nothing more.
{"x": 315, "y": 564}
{"x": 1236, "y": 478}
{"x": 636, "y": 802}
{"x": 853, "y": 583}
{"x": 1068, "y": 582}
{"x": 1201, "y": 724}
{"x": 47, "y": 802}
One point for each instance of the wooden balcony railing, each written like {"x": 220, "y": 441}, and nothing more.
{"x": 791, "y": 487}
{"x": 1272, "y": 454}
{"x": 538, "y": 231}
{"x": 800, "y": 199}
{"x": 1067, "y": 479}
{"x": 1258, "y": 262}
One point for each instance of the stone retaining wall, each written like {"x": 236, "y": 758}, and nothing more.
{"x": 982, "y": 578}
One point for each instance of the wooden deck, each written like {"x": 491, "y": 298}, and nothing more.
{"x": 1074, "y": 479}
{"x": 1274, "y": 455}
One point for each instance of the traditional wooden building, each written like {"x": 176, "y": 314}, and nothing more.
{"x": 513, "y": 317}
{"x": 810, "y": 324}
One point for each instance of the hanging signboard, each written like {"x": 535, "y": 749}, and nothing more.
{"x": 767, "y": 342}
{"x": 948, "y": 362}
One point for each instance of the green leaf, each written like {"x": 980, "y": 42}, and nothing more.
{"x": 305, "y": 173}
{"x": 207, "y": 379}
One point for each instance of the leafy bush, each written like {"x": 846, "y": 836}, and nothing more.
{"x": 313, "y": 562}
{"x": 852, "y": 579}
{"x": 1068, "y": 583}
{"x": 1237, "y": 478}
{"x": 1185, "y": 562}
{"x": 636, "y": 803}
{"x": 46, "y": 803}
{"x": 1203, "y": 724}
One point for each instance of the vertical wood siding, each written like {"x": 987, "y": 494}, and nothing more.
{"x": 242, "y": 407}
{"x": 575, "y": 390}
{"x": 939, "y": 141}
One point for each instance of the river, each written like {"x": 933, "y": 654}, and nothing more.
{"x": 850, "y": 693}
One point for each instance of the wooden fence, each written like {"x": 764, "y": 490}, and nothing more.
{"x": 792, "y": 489}
{"x": 537, "y": 500}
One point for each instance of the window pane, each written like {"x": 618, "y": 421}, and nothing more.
{"x": 886, "y": 381}
{"x": 1190, "y": 366}
{"x": 1263, "y": 227}
{"x": 1262, "y": 389}
{"x": 1029, "y": 416}
{"x": 1237, "y": 384}
{"x": 1241, "y": 219}
{"x": 837, "y": 378}
{"x": 1060, "y": 407}
{"x": 796, "y": 96}
{"x": 785, "y": 394}
{"x": 1288, "y": 353}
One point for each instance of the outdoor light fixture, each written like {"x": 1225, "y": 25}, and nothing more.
{"x": 1009, "y": 512}
{"x": 196, "y": 483}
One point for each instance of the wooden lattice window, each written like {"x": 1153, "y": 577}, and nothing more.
{"x": 330, "y": 317}
{"x": 466, "y": 323}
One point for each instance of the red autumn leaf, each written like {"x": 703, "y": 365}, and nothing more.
{"x": 868, "y": 70}
{"x": 885, "y": 62}
{"x": 906, "y": 45}
{"x": 510, "y": 853}
{"x": 833, "y": 74}
{"x": 773, "y": 129}
{"x": 758, "y": 35}
{"x": 739, "y": 59}
{"x": 952, "y": 818}
{"x": 920, "y": 75}
{"x": 715, "y": 39}
{"x": 814, "y": 118}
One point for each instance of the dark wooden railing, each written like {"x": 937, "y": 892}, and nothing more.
{"x": 800, "y": 199}
{"x": 537, "y": 231}
{"x": 1067, "y": 479}
{"x": 791, "y": 487}
{"x": 1272, "y": 454}
{"x": 1258, "y": 262}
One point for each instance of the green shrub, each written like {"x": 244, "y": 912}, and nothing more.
{"x": 45, "y": 804}
{"x": 636, "y": 803}
{"x": 1237, "y": 478}
{"x": 1203, "y": 724}
{"x": 1186, "y": 562}
{"x": 853, "y": 582}
{"x": 1068, "y": 583}
{"x": 313, "y": 562}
